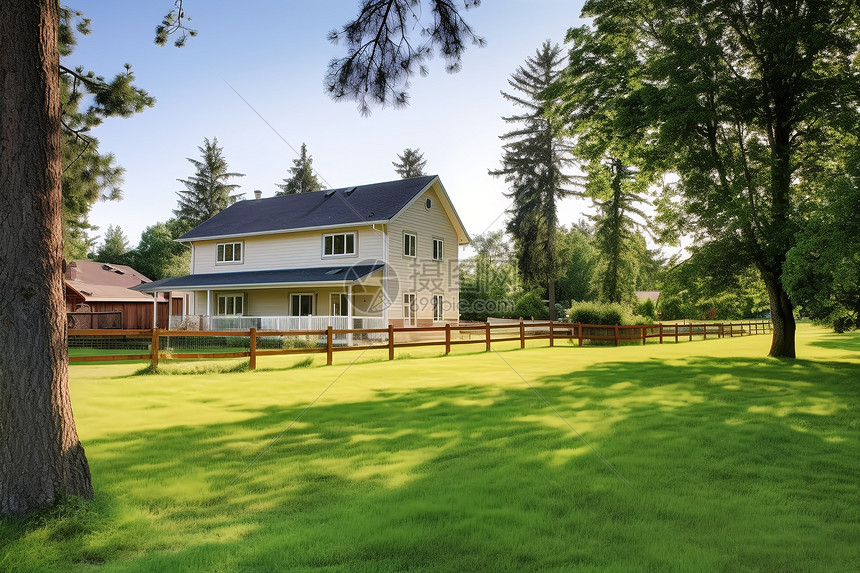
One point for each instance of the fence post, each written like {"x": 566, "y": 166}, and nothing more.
{"x": 252, "y": 360}
{"x": 487, "y": 330}
{"x": 643, "y": 334}
{"x": 705, "y": 331}
{"x": 551, "y": 334}
{"x": 522, "y": 334}
{"x": 154, "y": 351}
{"x": 722, "y": 332}
{"x": 579, "y": 332}
{"x": 328, "y": 345}
{"x": 447, "y": 338}
{"x": 661, "y": 333}
{"x": 690, "y": 332}
{"x": 616, "y": 335}
{"x": 391, "y": 342}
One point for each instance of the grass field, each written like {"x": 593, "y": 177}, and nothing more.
{"x": 702, "y": 456}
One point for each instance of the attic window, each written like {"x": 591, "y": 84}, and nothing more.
{"x": 428, "y": 203}
{"x": 329, "y": 193}
{"x": 349, "y": 191}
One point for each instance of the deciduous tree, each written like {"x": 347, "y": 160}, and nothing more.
{"x": 743, "y": 101}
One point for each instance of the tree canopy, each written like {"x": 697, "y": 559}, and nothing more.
{"x": 742, "y": 102}
{"x": 86, "y": 100}
{"x": 383, "y": 52}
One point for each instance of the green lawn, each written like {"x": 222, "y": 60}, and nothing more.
{"x": 721, "y": 460}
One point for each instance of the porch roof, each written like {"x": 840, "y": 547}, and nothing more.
{"x": 258, "y": 279}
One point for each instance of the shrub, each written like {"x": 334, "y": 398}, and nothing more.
{"x": 604, "y": 313}
{"x": 530, "y": 305}
{"x": 646, "y": 308}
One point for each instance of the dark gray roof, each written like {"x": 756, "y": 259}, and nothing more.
{"x": 339, "y": 274}
{"x": 345, "y": 206}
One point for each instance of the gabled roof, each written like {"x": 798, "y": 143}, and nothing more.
{"x": 258, "y": 279}
{"x": 103, "y": 282}
{"x": 346, "y": 206}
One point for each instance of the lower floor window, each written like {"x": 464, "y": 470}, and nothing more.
{"x": 301, "y": 304}
{"x": 438, "y": 315}
{"x": 231, "y": 304}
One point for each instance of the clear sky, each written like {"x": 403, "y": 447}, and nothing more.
{"x": 274, "y": 54}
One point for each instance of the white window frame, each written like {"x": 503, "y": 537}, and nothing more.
{"x": 354, "y": 252}
{"x": 438, "y": 308}
{"x": 221, "y": 253}
{"x": 438, "y": 253}
{"x": 413, "y": 239}
{"x": 235, "y": 296}
{"x": 301, "y": 294}
{"x": 342, "y": 298}
{"x": 412, "y": 306}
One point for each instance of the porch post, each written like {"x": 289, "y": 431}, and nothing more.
{"x": 155, "y": 309}
{"x": 349, "y": 322}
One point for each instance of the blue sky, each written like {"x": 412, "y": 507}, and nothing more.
{"x": 274, "y": 54}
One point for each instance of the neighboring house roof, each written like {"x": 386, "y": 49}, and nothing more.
{"x": 346, "y": 206}
{"x": 102, "y": 282}
{"x": 653, "y": 295}
{"x": 259, "y": 279}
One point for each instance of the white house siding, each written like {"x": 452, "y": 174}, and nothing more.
{"x": 304, "y": 250}
{"x": 422, "y": 275}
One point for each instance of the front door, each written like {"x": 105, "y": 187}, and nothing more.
{"x": 410, "y": 308}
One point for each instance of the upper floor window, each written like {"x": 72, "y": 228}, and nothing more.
{"x": 229, "y": 252}
{"x": 438, "y": 249}
{"x": 409, "y": 244}
{"x": 338, "y": 244}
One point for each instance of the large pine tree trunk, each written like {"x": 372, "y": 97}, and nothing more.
{"x": 782, "y": 315}
{"x": 41, "y": 458}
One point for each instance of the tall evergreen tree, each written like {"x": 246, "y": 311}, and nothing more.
{"x": 207, "y": 192}
{"x": 612, "y": 188}
{"x": 410, "y": 164}
{"x": 114, "y": 247}
{"x": 535, "y": 156}
{"x": 302, "y": 179}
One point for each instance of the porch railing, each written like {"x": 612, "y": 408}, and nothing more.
{"x": 280, "y": 323}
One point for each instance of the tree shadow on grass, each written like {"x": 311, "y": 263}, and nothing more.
{"x": 729, "y": 463}
{"x": 840, "y": 342}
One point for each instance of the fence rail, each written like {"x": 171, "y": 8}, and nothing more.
{"x": 184, "y": 344}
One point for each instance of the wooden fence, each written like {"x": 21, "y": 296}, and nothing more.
{"x": 447, "y": 336}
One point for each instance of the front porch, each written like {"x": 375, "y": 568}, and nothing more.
{"x": 275, "y": 323}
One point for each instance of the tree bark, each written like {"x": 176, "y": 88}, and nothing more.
{"x": 41, "y": 458}
{"x": 782, "y": 316}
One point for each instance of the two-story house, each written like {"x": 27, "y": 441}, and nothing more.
{"x": 357, "y": 257}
